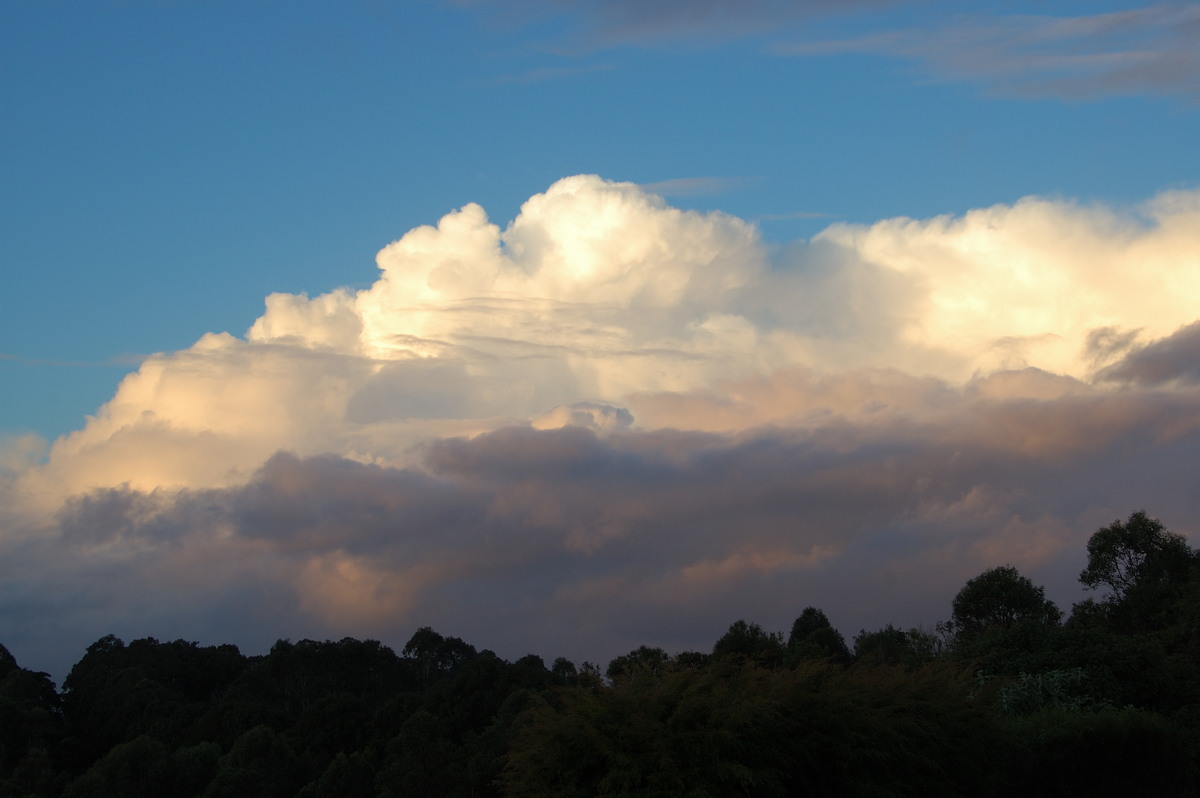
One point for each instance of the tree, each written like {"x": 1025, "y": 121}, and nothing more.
{"x": 140, "y": 767}
{"x": 751, "y": 642}
{"x": 1139, "y": 555}
{"x": 813, "y": 637}
{"x": 31, "y": 729}
{"x": 651, "y": 662}
{"x": 998, "y": 599}
{"x": 435, "y": 654}
{"x": 262, "y": 763}
{"x": 564, "y": 671}
{"x": 892, "y": 646}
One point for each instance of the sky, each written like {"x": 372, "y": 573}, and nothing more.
{"x": 568, "y": 327}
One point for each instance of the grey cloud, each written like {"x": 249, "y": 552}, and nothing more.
{"x": 546, "y": 74}
{"x": 1174, "y": 358}
{"x": 794, "y": 215}
{"x": 1154, "y": 49}
{"x": 599, "y": 24}
{"x": 123, "y": 360}
{"x": 1105, "y": 344}
{"x": 568, "y": 542}
{"x": 695, "y": 186}
{"x": 330, "y": 503}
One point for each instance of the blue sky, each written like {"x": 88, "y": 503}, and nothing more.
{"x": 623, "y": 317}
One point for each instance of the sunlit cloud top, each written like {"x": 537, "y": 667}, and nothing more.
{"x": 601, "y": 293}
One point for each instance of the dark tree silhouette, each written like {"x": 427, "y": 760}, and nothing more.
{"x": 999, "y": 599}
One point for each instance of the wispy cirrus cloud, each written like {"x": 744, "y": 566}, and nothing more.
{"x": 781, "y": 217}
{"x": 1146, "y": 49}
{"x": 601, "y": 24}
{"x": 1154, "y": 49}
{"x": 546, "y": 74}
{"x": 696, "y": 186}
{"x": 120, "y": 360}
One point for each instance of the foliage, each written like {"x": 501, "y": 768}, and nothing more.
{"x": 813, "y": 637}
{"x": 1001, "y": 699}
{"x": 999, "y": 599}
{"x": 750, "y": 642}
{"x": 891, "y": 646}
{"x": 1064, "y": 690}
{"x": 643, "y": 660}
{"x": 1102, "y": 754}
{"x": 740, "y": 729}
{"x": 1144, "y": 569}
{"x": 1122, "y": 557}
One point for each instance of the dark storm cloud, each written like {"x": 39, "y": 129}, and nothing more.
{"x": 568, "y": 542}
{"x": 1174, "y": 358}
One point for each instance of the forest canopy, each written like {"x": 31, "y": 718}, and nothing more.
{"x": 1010, "y": 694}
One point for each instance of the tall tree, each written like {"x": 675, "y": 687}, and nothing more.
{"x": 998, "y": 599}
{"x": 751, "y": 642}
{"x": 813, "y": 637}
{"x": 1139, "y": 555}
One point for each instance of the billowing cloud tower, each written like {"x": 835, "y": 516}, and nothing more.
{"x": 617, "y": 421}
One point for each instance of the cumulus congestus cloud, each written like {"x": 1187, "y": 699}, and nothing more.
{"x": 615, "y": 422}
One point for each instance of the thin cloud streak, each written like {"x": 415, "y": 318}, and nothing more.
{"x": 603, "y": 24}
{"x": 696, "y": 186}
{"x": 783, "y": 217}
{"x": 1147, "y": 50}
{"x": 547, "y": 74}
{"x": 119, "y": 360}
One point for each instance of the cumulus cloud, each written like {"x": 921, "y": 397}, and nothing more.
{"x": 1027, "y": 284}
{"x": 616, "y": 422}
{"x": 601, "y": 292}
{"x": 596, "y": 289}
{"x": 19, "y": 452}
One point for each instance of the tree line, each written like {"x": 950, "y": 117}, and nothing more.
{"x": 1008, "y": 696}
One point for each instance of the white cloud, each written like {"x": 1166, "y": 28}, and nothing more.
{"x": 600, "y": 292}
{"x": 621, "y": 419}
{"x": 1012, "y": 286}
